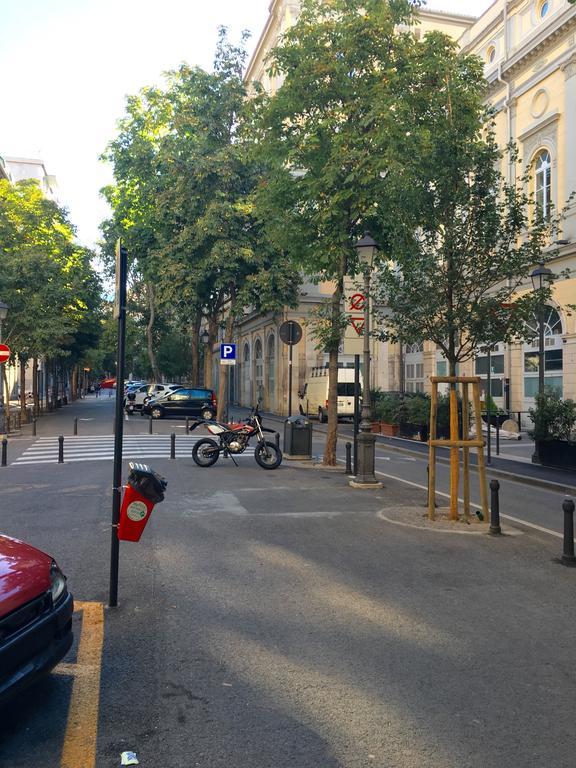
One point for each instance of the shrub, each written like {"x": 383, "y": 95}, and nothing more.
{"x": 554, "y": 418}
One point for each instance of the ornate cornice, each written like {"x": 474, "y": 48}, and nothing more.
{"x": 569, "y": 67}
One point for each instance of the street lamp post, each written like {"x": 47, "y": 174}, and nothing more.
{"x": 205, "y": 339}
{"x": 365, "y": 478}
{"x": 3, "y": 314}
{"x": 538, "y": 277}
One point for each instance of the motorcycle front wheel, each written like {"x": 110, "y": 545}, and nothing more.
{"x": 267, "y": 455}
{"x": 205, "y": 452}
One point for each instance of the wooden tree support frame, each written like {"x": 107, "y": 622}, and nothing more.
{"x": 455, "y": 444}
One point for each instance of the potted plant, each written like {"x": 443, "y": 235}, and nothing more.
{"x": 414, "y": 416}
{"x": 386, "y": 412}
{"x": 554, "y": 421}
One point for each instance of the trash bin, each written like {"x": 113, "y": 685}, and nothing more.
{"x": 298, "y": 437}
{"x": 144, "y": 489}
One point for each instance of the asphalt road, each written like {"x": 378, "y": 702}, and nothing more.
{"x": 274, "y": 619}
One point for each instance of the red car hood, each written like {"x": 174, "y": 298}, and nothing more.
{"x": 24, "y": 574}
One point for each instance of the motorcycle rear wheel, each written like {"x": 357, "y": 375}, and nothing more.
{"x": 267, "y": 455}
{"x": 205, "y": 452}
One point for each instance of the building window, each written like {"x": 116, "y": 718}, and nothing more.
{"x": 491, "y": 54}
{"x": 543, "y": 182}
{"x": 414, "y": 368}
{"x": 259, "y": 368}
{"x": 271, "y": 370}
{"x": 543, "y": 8}
{"x": 553, "y": 354}
{"x": 246, "y": 377}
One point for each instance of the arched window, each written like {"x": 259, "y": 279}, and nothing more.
{"x": 543, "y": 182}
{"x": 258, "y": 368}
{"x": 271, "y": 371}
{"x": 553, "y": 353}
{"x": 543, "y": 8}
{"x": 416, "y": 347}
{"x": 246, "y": 376}
{"x": 491, "y": 54}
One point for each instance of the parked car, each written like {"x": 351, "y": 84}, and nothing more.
{"x": 35, "y": 615}
{"x": 137, "y": 397}
{"x": 108, "y": 384}
{"x": 186, "y": 401}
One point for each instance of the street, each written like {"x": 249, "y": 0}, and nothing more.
{"x": 274, "y": 619}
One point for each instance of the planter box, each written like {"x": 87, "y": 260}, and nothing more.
{"x": 375, "y": 429}
{"x": 390, "y": 430}
{"x": 413, "y": 431}
{"x": 557, "y": 453}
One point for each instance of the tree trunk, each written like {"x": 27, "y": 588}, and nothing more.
{"x": 454, "y": 452}
{"x": 22, "y": 361}
{"x": 6, "y": 398}
{"x": 195, "y": 348}
{"x": 332, "y": 433}
{"x": 35, "y": 396}
{"x": 149, "y": 332}
{"x": 225, "y": 370}
{"x": 74, "y": 384}
{"x": 208, "y": 352}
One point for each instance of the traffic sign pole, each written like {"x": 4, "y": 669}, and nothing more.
{"x": 120, "y": 314}
{"x": 290, "y": 333}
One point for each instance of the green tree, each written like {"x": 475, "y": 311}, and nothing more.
{"x": 46, "y": 279}
{"x": 461, "y": 240}
{"x": 317, "y": 135}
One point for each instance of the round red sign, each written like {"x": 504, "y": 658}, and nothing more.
{"x": 4, "y": 353}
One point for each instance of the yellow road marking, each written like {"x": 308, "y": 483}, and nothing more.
{"x": 81, "y": 731}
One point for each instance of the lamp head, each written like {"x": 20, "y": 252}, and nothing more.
{"x": 539, "y": 275}
{"x": 366, "y": 248}
{"x": 205, "y": 336}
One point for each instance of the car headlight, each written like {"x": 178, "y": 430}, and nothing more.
{"x": 57, "y": 582}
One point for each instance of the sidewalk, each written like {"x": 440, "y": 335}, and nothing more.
{"x": 506, "y": 466}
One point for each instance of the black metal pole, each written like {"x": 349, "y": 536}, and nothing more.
{"x": 495, "y": 507}
{"x": 187, "y": 424}
{"x": 290, "y": 345}
{"x": 120, "y": 315}
{"x": 172, "y": 446}
{"x": 348, "y": 458}
{"x": 489, "y": 409}
{"x": 34, "y": 427}
{"x": 61, "y": 449}
{"x": 356, "y": 409}
{"x": 497, "y": 436}
{"x": 277, "y": 438}
{"x": 568, "y": 557}
{"x": 150, "y": 425}
{"x": 75, "y": 425}
{"x": 4, "y": 451}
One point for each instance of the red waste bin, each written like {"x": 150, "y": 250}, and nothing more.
{"x": 145, "y": 488}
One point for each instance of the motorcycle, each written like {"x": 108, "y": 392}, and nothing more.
{"x": 233, "y": 439}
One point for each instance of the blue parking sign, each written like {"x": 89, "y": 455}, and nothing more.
{"x": 228, "y": 354}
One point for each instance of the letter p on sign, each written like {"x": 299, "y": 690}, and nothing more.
{"x": 228, "y": 354}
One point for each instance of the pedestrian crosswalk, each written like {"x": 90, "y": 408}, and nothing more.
{"x": 101, "y": 448}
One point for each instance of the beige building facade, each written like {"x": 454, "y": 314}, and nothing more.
{"x": 529, "y": 50}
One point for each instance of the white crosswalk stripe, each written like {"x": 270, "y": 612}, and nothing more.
{"x": 101, "y": 448}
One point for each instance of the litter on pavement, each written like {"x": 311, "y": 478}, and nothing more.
{"x": 129, "y": 758}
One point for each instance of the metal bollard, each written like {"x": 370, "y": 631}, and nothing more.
{"x": 348, "y": 458}
{"x": 4, "y": 451}
{"x": 150, "y": 425}
{"x": 497, "y": 436}
{"x": 495, "y": 507}
{"x": 61, "y": 449}
{"x": 75, "y": 425}
{"x": 568, "y": 557}
{"x": 277, "y": 438}
{"x": 172, "y": 446}
{"x": 187, "y": 424}
{"x": 34, "y": 427}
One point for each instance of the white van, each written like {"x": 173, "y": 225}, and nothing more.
{"x": 314, "y": 395}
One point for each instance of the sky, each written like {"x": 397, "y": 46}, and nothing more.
{"x": 67, "y": 66}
